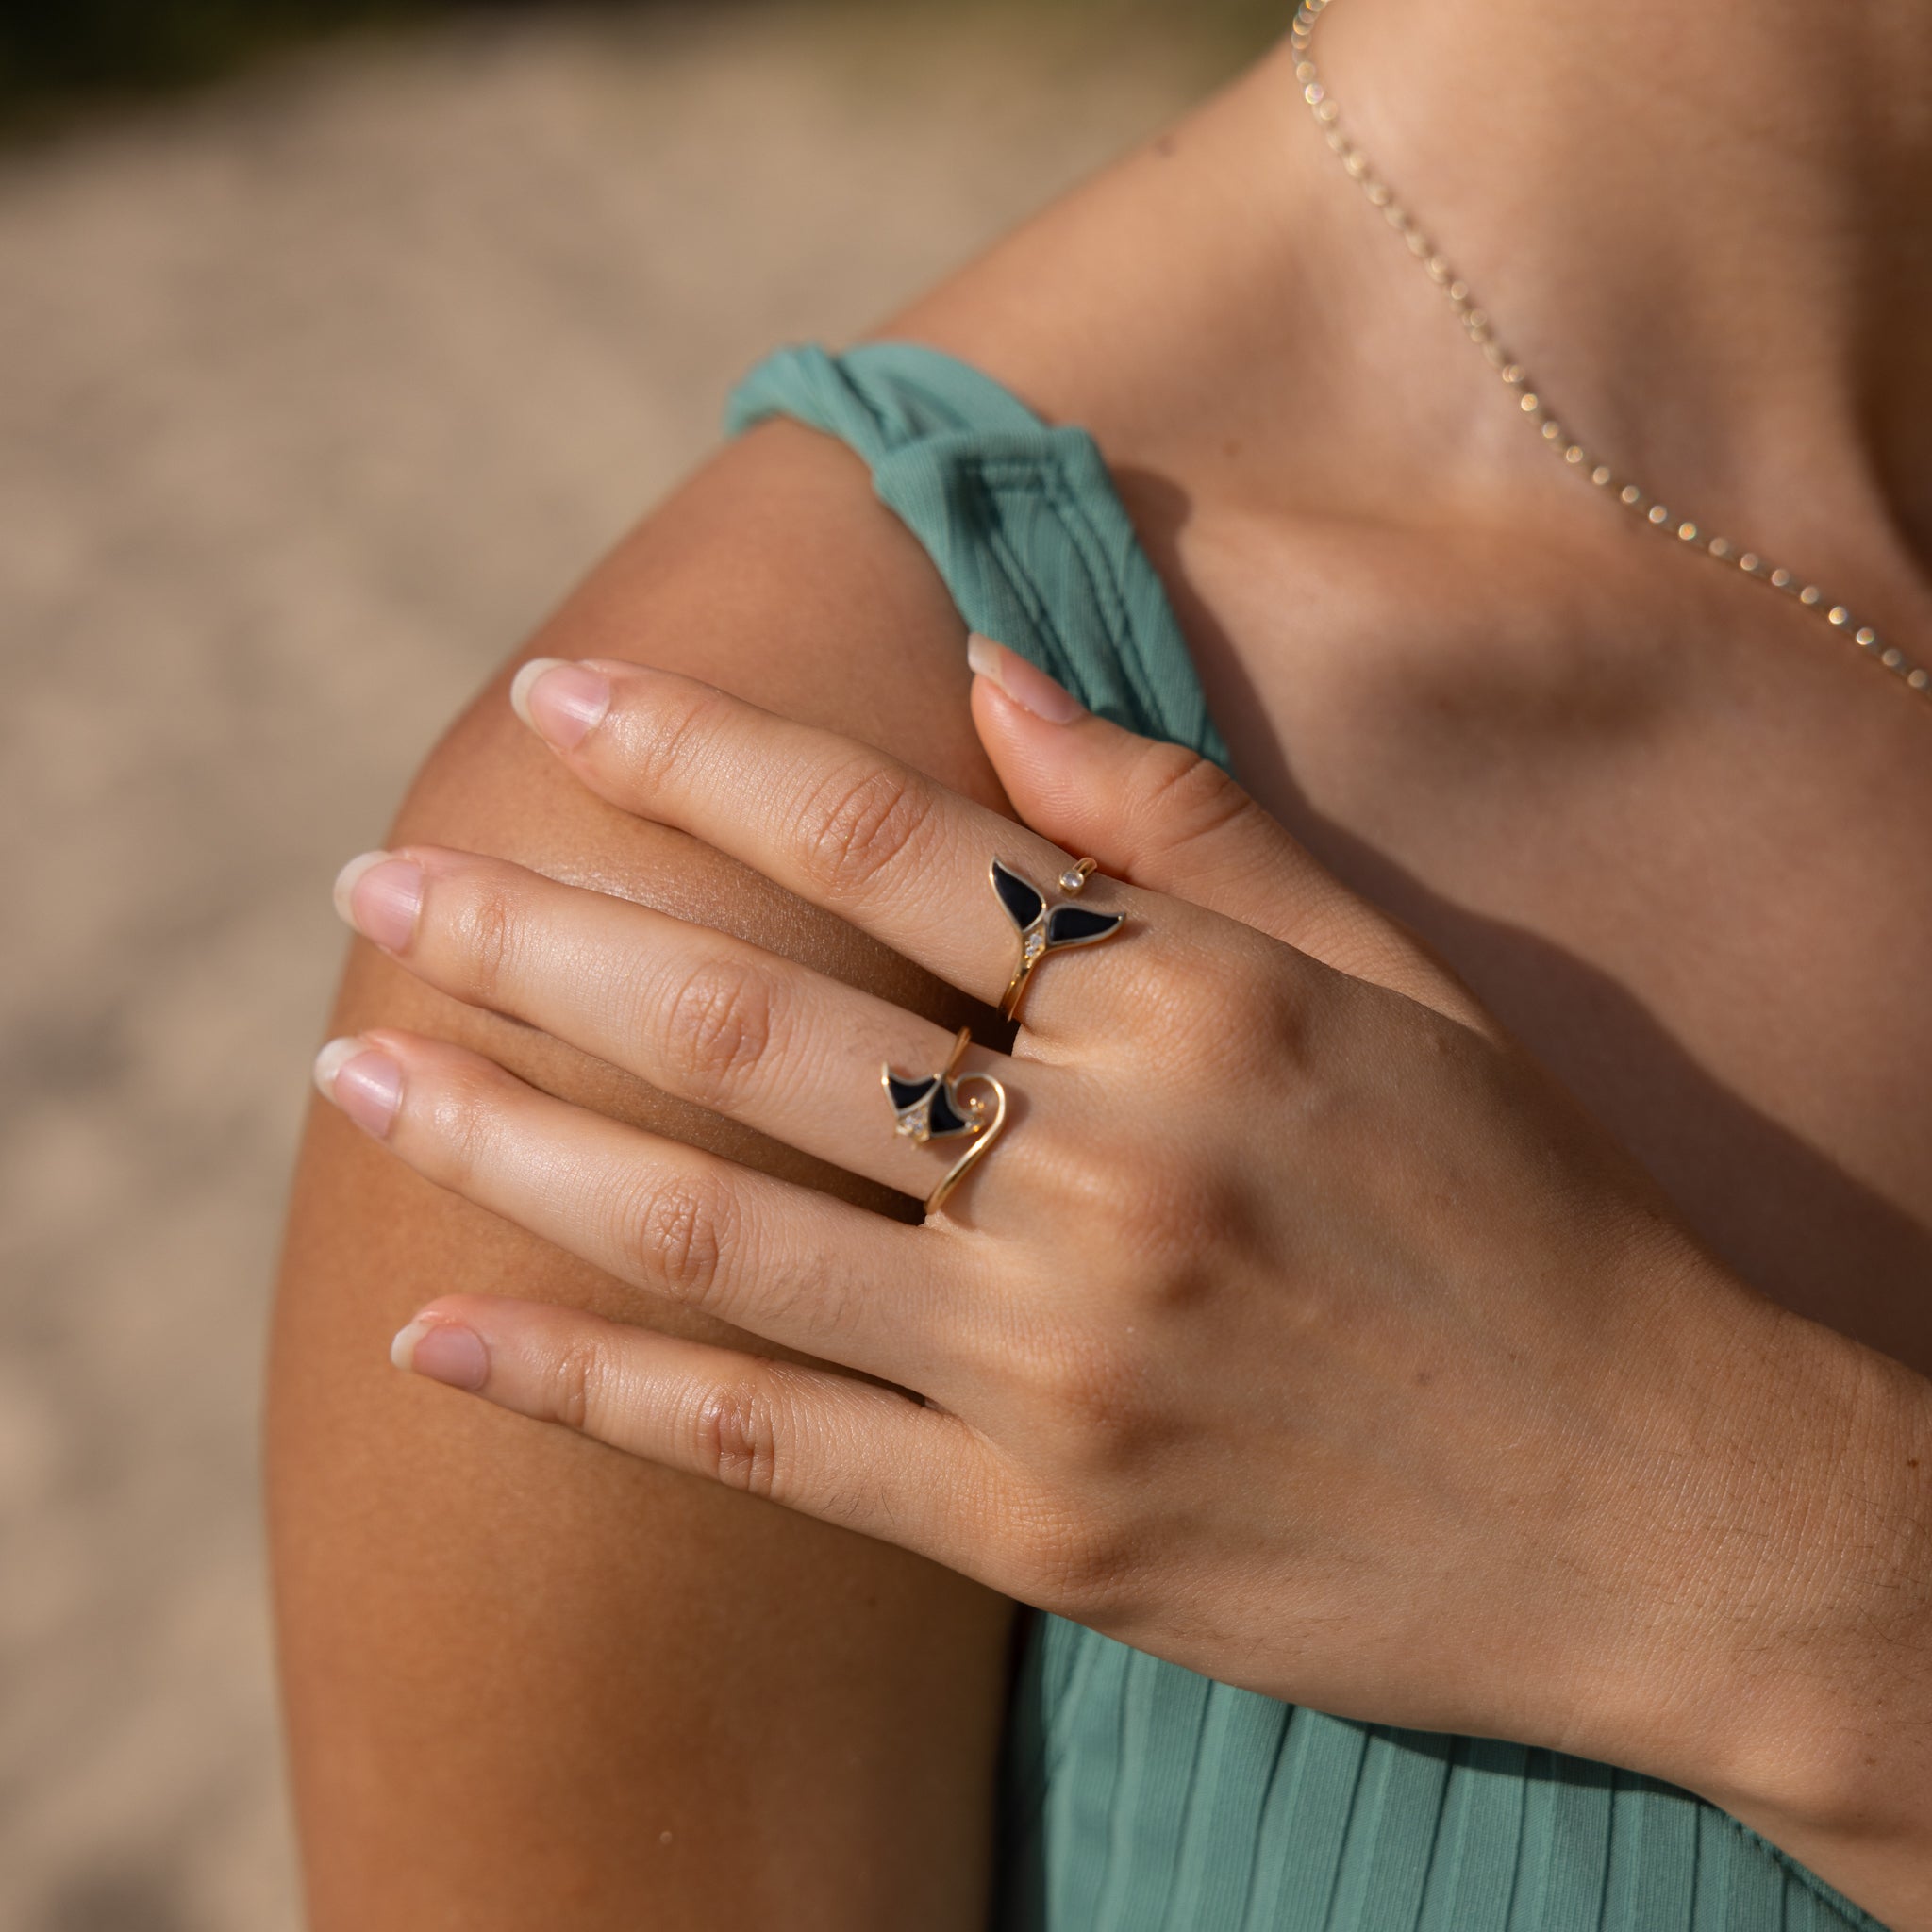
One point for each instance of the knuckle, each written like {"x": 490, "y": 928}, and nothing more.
{"x": 1063, "y": 1558}
{"x": 570, "y": 1381}
{"x": 1130, "y": 1192}
{"x": 465, "y": 1126}
{"x": 1096, "y": 1388}
{"x": 1291, "y": 1009}
{"x": 666, "y": 729}
{"x": 861, "y": 822}
{"x": 1286, "y": 1028}
{"x": 1157, "y": 1214}
{"x": 736, "y": 1430}
{"x": 1090, "y": 1385}
{"x": 1181, "y": 796}
{"x": 1097, "y": 1568}
{"x": 1099, "y": 1192}
{"x": 485, "y": 929}
{"x": 677, "y": 1238}
{"x": 1078, "y": 1542}
{"x": 1257, "y": 1021}
{"x": 716, "y": 1028}
{"x": 1221, "y": 1005}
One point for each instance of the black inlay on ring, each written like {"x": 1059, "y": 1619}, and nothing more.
{"x": 1023, "y": 904}
{"x": 906, "y": 1094}
{"x": 942, "y": 1118}
{"x": 1079, "y": 925}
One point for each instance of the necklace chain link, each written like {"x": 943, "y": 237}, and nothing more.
{"x": 1534, "y": 406}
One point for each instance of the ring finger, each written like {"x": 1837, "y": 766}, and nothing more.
{"x": 697, "y": 1013}
{"x": 766, "y": 1256}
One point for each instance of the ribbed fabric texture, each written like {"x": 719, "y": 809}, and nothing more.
{"x": 1140, "y": 1797}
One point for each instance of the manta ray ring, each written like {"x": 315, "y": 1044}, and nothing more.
{"x": 1045, "y": 928}
{"x": 932, "y": 1107}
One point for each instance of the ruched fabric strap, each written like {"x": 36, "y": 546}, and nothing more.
{"x": 1021, "y": 520}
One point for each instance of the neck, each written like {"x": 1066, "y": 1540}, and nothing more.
{"x": 1704, "y": 224}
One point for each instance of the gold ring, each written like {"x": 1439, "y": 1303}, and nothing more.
{"x": 1044, "y": 928}
{"x": 933, "y": 1108}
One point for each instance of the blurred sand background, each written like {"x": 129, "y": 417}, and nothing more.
{"x": 316, "y": 387}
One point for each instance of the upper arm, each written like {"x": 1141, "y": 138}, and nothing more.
{"x": 529, "y": 1681}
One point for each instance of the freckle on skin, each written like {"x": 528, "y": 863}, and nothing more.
{"x": 1165, "y": 146}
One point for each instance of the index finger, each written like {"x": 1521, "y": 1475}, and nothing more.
{"x": 840, "y": 823}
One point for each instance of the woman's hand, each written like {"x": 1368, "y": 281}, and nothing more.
{"x": 1298, "y": 1329}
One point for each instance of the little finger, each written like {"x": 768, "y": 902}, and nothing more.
{"x": 847, "y": 1451}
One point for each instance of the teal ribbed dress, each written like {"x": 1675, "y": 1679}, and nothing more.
{"x": 1140, "y": 1797}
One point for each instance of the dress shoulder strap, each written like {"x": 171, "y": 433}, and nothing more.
{"x": 1021, "y": 519}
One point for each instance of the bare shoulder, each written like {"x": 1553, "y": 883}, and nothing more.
{"x": 776, "y": 573}
{"x": 519, "y": 1669}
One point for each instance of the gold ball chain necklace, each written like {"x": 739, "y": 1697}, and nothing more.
{"x": 1534, "y": 406}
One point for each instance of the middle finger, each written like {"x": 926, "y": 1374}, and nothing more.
{"x": 697, "y": 1013}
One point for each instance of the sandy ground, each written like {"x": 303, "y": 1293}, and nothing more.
{"x": 316, "y": 392}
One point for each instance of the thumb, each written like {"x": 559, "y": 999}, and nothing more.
{"x": 1163, "y": 816}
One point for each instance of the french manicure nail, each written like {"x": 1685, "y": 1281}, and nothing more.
{"x": 364, "y": 1082}
{"x": 381, "y": 897}
{"x": 1022, "y": 681}
{"x": 443, "y": 1351}
{"x": 560, "y": 701}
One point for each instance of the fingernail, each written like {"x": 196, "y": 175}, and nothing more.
{"x": 1025, "y": 682}
{"x": 443, "y": 1351}
{"x": 381, "y": 897}
{"x": 560, "y": 701}
{"x": 365, "y": 1083}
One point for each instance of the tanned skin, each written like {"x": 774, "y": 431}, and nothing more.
{"x": 530, "y": 1683}
{"x": 1668, "y": 835}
